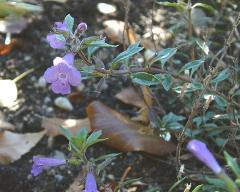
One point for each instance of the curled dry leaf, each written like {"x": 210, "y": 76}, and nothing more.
{"x": 52, "y": 125}
{"x": 6, "y": 49}
{"x": 125, "y": 134}
{"x": 14, "y": 145}
{"x": 130, "y": 96}
{"x": 114, "y": 31}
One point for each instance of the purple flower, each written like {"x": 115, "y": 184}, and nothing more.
{"x": 41, "y": 163}
{"x": 63, "y": 74}
{"x": 55, "y": 42}
{"x": 61, "y": 26}
{"x": 81, "y": 28}
{"x": 200, "y": 150}
{"x": 90, "y": 185}
{"x": 53, "y": 39}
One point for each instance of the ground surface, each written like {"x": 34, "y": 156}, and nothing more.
{"x": 33, "y": 51}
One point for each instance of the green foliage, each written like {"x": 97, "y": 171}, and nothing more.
{"x": 131, "y": 50}
{"x": 192, "y": 65}
{"x": 69, "y": 20}
{"x": 163, "y": 56}
{"x": 143, "y": 78}
{"x": 232, "y": 163}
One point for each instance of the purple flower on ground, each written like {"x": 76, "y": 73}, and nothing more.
{"x": 200, "y": 151}
{"x": 41, "y": 163}
{"x": 63, "y": 74}
{"x": 53, "y": 39}
{"x": 81, "y": 28}
{"x": 90, "y": 185}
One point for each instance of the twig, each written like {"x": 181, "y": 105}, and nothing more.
{"x": 126, "y": 27}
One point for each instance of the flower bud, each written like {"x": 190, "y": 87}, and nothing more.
{"x": 200, "y": 151}
{"x": 81, "y": 28}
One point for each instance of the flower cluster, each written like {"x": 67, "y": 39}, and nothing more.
{"x": 63, "y": 73}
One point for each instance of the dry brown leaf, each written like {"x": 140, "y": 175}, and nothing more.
{"x": 52, "y": 125}
{"x": 114, "y": 31}
{"x": 130, "y": 96}
{"x": 125, "y": 134}
{"x": 6, "y": 49}
{"x": 4, "y": 125}
{"x": 14, "y": 145}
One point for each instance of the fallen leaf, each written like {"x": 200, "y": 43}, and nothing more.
{"x": 114, "y": 31}
{"x": 6, "y": 49}
{"x": 130, "y": 96}
{"x": 14, "y": 145}
{"x": 4, "y": 125}
{"x": 125, "y": 134}
{"x": 13, "y": 24}
{"x": 52, "y": 125}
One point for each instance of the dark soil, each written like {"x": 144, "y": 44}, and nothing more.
{"x": 33, "y": 51}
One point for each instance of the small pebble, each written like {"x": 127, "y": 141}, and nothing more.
{"x": 41, "y": 82}
{"x": 63, "y": 103}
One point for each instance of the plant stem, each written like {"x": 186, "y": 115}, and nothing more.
{"x": 19, "y": 77}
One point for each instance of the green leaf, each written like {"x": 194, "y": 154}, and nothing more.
{"x": 69, "y": 20}
{"x": 193, "y": 66}
{"x": 196, "y": 189}
{"x": 94, "y": 138}
{"x": 220, "y": 101}
{"x": 60, "y": 37}
{"x": 95, "y": 45}
{"x": 163, "y": 56}
{"x": 171, "y": 117}
{"x": 205, "y": 6}
{"x": 66, "y": 133}
{"x": 131, "y": 50}
{"x": 103, "y": 157}
{"x": 232, "y": 163}
{"x": 82, "y": 134}
{"x": 77, "y": 143}
{"x": 166, "y": 81}
{"x": 179, "y": 6}
{"x": 203, "y": 46}
{"x": 217, "y": 182}
{"x": 224, "y": 74}
{"x": 143, "y": 78}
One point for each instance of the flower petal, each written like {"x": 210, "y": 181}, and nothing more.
{"x": 51, "y": 74}
{"x": 69, "y": 58}
{"x": 54, "y": 42}
{"x": 90, "y": 185}
{"x": 36, "y": 170}
{"x": 60, "y": 26}
{"x": 200, "y": 151}
{"x": 58, "y": 60}
{"x": 61, "y": 87}
{"x": 74, "y": 77}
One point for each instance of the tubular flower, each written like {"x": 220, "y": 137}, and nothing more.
{"x": 90, "y": 185}
{"x": 63, "y": 74}
{"x": 200, "y": 151}
{"x": 53, "y": 39}
{"x": 41, "y": 163}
